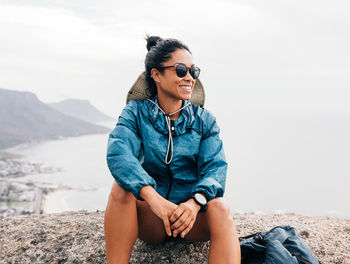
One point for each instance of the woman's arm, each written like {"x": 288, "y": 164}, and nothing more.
{"x": 124, "y": 144}
{"x": 212, "y": 164}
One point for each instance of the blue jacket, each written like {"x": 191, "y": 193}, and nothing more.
{"x": 138, "y": 144}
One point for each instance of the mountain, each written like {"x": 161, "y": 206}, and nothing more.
{"x": 81, "y": 109}
{"x": 24, "y": 118}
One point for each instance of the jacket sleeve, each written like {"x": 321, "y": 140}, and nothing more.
{"x": 212, "y": 164}
{"x": 124, "y": 144}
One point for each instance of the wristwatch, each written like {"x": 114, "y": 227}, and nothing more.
{"x": 201, "y": 200}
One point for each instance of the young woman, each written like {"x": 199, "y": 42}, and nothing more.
{"x": 169, "y": 164}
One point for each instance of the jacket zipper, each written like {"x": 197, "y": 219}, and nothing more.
{"x": 172, "y": 127}
{"x": 171, "y": 182}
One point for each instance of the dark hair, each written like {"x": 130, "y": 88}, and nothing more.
{"x": 159, "y": 51}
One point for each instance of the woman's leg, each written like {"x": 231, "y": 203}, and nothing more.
{"x": 217, "y": 225}
{"x": 125, "y": 220}
{"x": 120, "y": 225}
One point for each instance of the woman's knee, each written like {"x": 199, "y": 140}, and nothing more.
{"x": 120, "y": 195}
{"x": 218, "y": 210}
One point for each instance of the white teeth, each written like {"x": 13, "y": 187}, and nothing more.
{"x": 186, "y": 87}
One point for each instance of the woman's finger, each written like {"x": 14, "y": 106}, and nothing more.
{"x": 176, "y": 214}
{"x": 167, "y": 225}
{"x": 180, "y": 220}
{"x": 187, "y": 230}
{"x": 182, "y": 227}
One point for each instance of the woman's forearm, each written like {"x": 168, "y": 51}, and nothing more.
{"x": 148, "y": 193}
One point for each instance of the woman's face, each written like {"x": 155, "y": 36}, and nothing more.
{"x": 169, "y": 84}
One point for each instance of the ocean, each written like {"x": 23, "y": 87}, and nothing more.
{"x": 278, "y": 163}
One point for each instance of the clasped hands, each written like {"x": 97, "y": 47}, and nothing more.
{"x": 177, "y": 219}
{"x": 183, "y": 218}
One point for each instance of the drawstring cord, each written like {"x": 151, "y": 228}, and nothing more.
{"x": 170, "y": 139}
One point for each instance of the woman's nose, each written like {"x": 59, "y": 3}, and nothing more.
{"x": 188, "y": 77}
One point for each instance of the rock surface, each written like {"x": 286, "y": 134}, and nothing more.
{"x": 78, "y": 237}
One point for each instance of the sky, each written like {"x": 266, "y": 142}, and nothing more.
{"x": 276, "y": 75}
{"x": 272, "y": 56}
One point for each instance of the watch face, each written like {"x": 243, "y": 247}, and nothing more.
{"x": 200, "y": 198}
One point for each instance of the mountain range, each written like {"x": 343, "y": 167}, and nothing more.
{"x": 24, "y": 118}
{"x": 81, "y": 109}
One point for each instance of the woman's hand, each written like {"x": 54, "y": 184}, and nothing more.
{"x": 183, "y": 217}
{"x": 159, "y": 206}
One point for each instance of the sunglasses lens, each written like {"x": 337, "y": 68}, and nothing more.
{"x": 181, "y": 70}
{"x": 194, "y": 71}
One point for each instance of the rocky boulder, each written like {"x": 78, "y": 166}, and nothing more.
{"x": 78, "y": 237}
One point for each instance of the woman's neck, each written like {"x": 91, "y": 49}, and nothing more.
{"x": 170, "y": 105}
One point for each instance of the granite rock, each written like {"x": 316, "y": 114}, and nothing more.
{"x": 78, "y": 237}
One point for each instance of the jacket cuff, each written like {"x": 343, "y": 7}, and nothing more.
{"x": 135, "y": 188}
{"x": 210, "y": 187}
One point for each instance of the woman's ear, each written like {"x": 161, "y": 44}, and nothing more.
{"x": 155, "y": 75}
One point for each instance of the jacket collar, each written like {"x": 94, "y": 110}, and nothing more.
{"x": 156, "y": 117}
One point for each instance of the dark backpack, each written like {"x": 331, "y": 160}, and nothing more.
{"x": 280, "y": 245}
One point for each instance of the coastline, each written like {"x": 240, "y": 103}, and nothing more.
{"x": 19, "y": 197}
{"x": 47, "y": 198}
{"x": 54, "y": 202}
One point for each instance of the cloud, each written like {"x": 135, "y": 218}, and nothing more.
{"x": 274, "y": 49}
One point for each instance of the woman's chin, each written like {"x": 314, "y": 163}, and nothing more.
{"x": 185, "y": 96}
{"x": 184, "y": 93}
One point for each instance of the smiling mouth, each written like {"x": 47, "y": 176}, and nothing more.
{"x": 186, "y": 88}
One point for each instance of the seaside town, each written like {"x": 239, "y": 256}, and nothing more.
{"x": 21, "y": 197}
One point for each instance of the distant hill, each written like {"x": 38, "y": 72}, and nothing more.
{"x": 24, "y": 118}
{"x": 81, "y": 109}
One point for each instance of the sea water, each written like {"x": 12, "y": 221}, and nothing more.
{"x": 278, "y": 163}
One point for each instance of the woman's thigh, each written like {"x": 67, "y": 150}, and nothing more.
{"x": 200, "y": 229}
{"x": 150, "y": 227}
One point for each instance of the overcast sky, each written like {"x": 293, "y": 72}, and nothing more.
{"x": 287, "y": 56}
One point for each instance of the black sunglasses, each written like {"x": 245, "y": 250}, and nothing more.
{"x": 181, "y": 70}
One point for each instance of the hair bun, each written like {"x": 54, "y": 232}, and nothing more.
{"x": 152, "y": 41}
